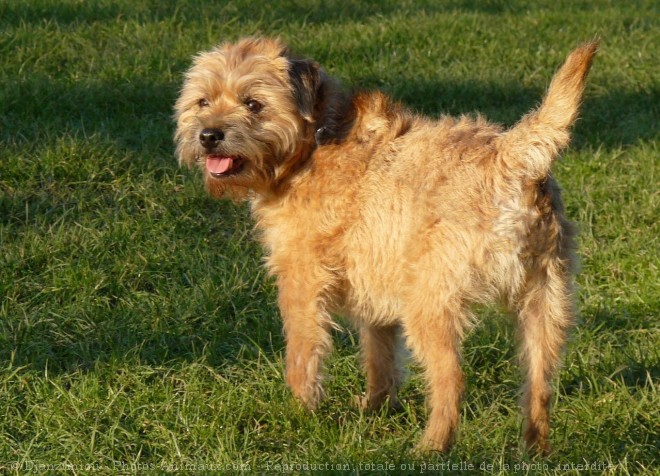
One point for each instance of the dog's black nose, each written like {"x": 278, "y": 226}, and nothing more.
{"x": 210, "y": 137}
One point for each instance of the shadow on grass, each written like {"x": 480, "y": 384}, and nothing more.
{"x": 138, "y": 114}
{"x": 195, "y": 11}
{"x": 133, "y": 114}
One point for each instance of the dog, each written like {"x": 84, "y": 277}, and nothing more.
{"x": 397, "y": 222}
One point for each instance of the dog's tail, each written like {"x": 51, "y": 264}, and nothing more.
{"x": 534, "y": 142}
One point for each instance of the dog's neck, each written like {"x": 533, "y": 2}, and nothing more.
{"x": 334, "y": 117}
{"x": 334, "y": 112}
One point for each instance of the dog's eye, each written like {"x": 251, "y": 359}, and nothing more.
{"x": 253, "y": 105}
{"x": 203, "y": 103}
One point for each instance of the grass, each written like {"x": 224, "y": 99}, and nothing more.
{"x": 137, "y": 327}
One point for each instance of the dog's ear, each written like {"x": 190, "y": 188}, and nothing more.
{"x": 305, "y": 78}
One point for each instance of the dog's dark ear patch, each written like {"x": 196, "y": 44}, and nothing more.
{"x": 305, "y": 79}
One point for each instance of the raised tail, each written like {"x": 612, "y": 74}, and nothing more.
{"x": 535, "y": 141}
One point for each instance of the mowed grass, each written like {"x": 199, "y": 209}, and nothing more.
{"x": 138, "y": 329}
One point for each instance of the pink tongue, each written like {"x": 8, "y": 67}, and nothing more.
{"x": 218, "y": 165}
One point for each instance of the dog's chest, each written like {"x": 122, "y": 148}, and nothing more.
{"x": 358, "y": 261}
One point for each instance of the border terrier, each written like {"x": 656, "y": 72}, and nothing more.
{"x": 398, "y": 222}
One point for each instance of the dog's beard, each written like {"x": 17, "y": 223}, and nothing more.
{"x": 234, "y": 174}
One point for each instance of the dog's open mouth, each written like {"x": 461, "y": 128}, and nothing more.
{"x": 223, "y": 166}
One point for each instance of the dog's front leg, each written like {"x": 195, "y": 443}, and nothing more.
{"x": 380, "y": 355}
{"x": 308, "y": 340}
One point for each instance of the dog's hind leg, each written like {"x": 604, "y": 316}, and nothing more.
{"x": 545, "y": 314}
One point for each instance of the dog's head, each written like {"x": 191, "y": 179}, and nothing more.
{"x": 247, "y": 115}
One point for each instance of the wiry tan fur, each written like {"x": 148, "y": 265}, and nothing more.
{"x": 396, "y": 221}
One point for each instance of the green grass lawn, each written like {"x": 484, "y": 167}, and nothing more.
{"x": 137, "y": 327}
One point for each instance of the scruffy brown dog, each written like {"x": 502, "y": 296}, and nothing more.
{"x": 396, "y": 221}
